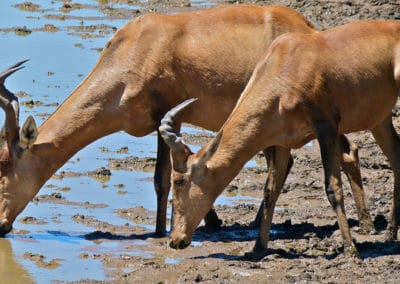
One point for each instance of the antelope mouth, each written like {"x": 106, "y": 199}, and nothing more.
{"x": 5, "y": 228}
{"x": 179, "y": 243}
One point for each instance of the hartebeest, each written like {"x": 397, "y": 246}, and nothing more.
{"x": 306, "y": 86}
{"x": 149, "y": 65}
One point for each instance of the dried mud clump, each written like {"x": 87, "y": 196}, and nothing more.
{"x": 68, "y": 7}
{"x": 31, "y": 103}
{"x": 50, "y": 28}
{"x": 132, "y": 164}
{"x": 40, "y": 260}
{"x": 137, "y": 215}
{"x": 27, "y": 6}
{"x": 22, "y": 31}
{"x": 31, "y": 220}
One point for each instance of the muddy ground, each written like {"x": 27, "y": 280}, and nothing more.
{"x": 306, "y": 244}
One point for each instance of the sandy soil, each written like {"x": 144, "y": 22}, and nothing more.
{"x": 306, "y": 244}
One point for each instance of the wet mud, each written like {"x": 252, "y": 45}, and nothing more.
{"x": 305, "y": 244}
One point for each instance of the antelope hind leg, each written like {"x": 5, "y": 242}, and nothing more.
{"x": 387, "y": 138}
{"x": 351, "y": 167}
{"x": 279, "y": 162}
{"x": 270, "y": 178}
{"x": 330, "y": 154}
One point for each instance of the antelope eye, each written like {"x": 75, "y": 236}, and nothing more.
{"x": 179, "y": 181}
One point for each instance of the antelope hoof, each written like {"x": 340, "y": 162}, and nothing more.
{"x": 366, "y": 226}
{"x": 351, "y": 251}
{"x": 367, "y": 231}
{"x": 391, "y": 234}
{"x": 258, "y": 253}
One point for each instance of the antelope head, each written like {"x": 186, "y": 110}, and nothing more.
{"x": 191, "y": 182}
{"x": 16, "y": 143}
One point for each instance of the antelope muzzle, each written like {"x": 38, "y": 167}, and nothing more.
{"x": 179, "y": 242}
{"x": 5, "y": 228}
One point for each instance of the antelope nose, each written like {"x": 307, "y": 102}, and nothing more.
{"x": 179, "y": 243}
{"x": 5, "y": 227}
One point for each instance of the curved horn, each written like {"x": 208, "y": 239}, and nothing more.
{"x": 167, "y": 129}
{"x": 10, "y": 70}
{"x": 9, "y": 102}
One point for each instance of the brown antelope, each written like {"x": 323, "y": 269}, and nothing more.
{"x": 306, "y": 86}
{"x": 149, "y": 65}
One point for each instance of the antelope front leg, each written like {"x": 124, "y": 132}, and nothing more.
{"x": 330, "y": 153}
{"x": 351, "y": 167}
{"x": 162, "y": 184}
{"x": 387, "y": 138}
{"x": 279, "y": 163}
{"x": 270, "y": 178}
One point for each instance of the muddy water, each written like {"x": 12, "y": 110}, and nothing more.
{"x": 48, "y": 242}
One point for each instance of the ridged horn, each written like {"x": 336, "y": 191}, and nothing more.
{"x": 9, "y": 102}
{"x": 168, "y": 131}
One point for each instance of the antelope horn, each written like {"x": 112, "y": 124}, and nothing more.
{"x": 9, "y": 102}
{"x": 167, "y": 129}
{"x": 11, "y": 70}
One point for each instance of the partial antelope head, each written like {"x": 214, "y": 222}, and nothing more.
{"x": 189, "y": 179}
{"x": 16, "y": 143}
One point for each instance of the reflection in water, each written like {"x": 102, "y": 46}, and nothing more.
{"x": 10, "y": 270}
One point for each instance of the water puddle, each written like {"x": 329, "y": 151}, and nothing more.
{"x": 41, "y": 249}
{"x": 64, "y": 240}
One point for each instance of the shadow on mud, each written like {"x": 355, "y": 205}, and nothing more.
{"x": 238, "y": 232}
{"x": 377, "y": 249}
{"x": 100, "y": 235}
{"x": 286, "y": 230}
{"x": 365, "y": 249}
{"x": 281, "y": 231}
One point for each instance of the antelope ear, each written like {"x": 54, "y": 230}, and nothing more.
{"x": 206, "y": 153}
{"x": 28, "y": 133}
